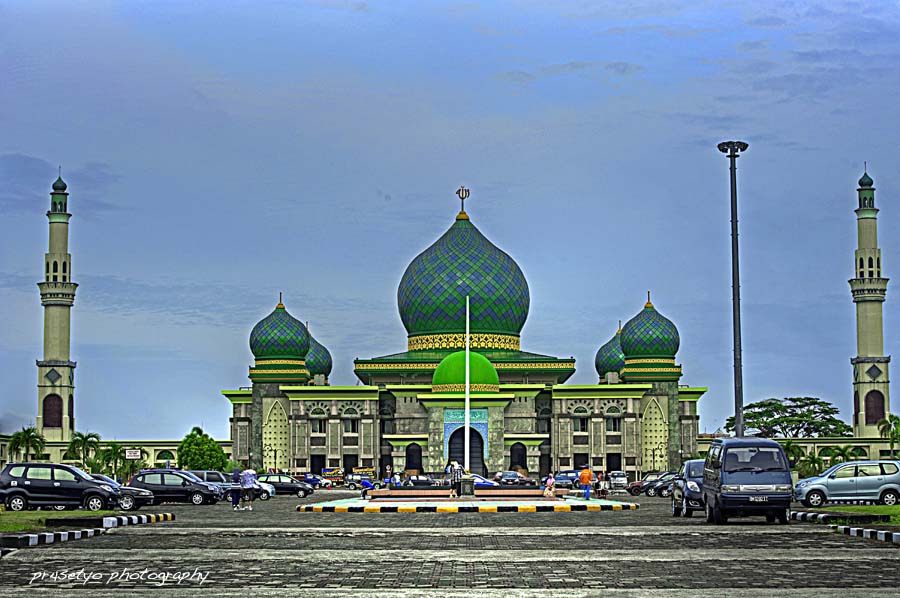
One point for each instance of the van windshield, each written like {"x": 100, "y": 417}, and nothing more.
{"x": 754, "y": 458}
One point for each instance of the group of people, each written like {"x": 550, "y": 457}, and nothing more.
{"x": 246, "y": 480}
{"x": 586, "y": 480}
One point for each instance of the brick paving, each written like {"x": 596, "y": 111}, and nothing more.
{"x": 624, "y": 553}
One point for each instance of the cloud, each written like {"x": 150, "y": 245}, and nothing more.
{"x": 753, "y": 45}
{"x": 353, "y": 6}
{"x": 619, "y": 68}
{"x": 671, "y": 32}
{"x": 768, "y": 22}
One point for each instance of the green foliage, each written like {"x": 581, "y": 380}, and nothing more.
{"x": 890, "y": 428}
{"x": 793, "y": 417}
{"x": 841, "y": 454}
{"x": 793, "y": 451}
{"x": 811, "y": 465}
{"x": 112, "y": 455}
{"x": 198, "y": 450}
{"x": 83, "y": 445}
{"x": 27, "y": 441}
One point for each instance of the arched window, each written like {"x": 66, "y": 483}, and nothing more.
{"x": 874, "y": 407}
{"x": 71, "y": 412}
{"x": 53, "y": 407}
{"x": 518, "y": 456}
{"x": 165, "y": 456}
{"x": 580, "y": 410}
{"x": 414, "y": 457}
{"x": 350, "y": 412}
{"x": 55, "y": 267}
{"x": 64, "y": 267}
{"x": 317, "y": 412}
{"x": 871, "y": 263}
{"x": 48, "y": 267}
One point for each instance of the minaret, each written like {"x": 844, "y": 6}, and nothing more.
{"x": 871, "y": 398}
{"x": 56, "y": 372}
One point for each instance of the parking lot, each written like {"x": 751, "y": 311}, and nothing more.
{"x": 626, "y": 553}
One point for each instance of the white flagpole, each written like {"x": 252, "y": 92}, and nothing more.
{"x": 467, "y": 420}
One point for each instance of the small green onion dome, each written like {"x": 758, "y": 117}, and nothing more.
{"x": 318, "y": 359}
{"x": 610, "y": 357}
{"x": 450, "y": 374}
{"x": 866, "y": 181}
{"x": 649, "y": 334}
{"x": 59, "y": 185}
{"x": 279, "y": 335}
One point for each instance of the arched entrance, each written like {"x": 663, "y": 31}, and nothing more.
{"x": 457, "y": 449}
{"x": 414, "y": 457}
{"x": 517, "y": 456}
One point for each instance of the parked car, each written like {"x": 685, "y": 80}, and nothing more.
{"x": 316, "y": 481}
{"x": 483, "y": 482}
{"x": 567, "y": 478}
{"x": 746, "y": 476}
{"x": 618, "y": 480}
{"x": 859, "y": 480}
{"x": 286, "y": 484}
{"x": 26, "y": 485}
{"x": 130, "y": 499}
{"x": 353, "y": 481}
{"x": 637, "y": 488}
{"x": 687, "y": 489}
{"x": 176, "y": 486}
{"x": 420, "y": 480}
{"x": 222, "y": 481}
{"x": 654, "y": 487}
{"x": 512, "y": 478}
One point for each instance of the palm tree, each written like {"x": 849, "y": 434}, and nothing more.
{"x": 132, "y": 466}
{"x": 113, "y": 455}
{"x": 890, "y": 428}
{"x": 83, "y": 444}
{"x": 793, "y": 451}
{"x": 27, "y": 440}
{"x": 811, "y": 465}
{"x": 842, "y": 454}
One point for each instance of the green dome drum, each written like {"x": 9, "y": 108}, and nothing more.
{"x": 450, "y": 374}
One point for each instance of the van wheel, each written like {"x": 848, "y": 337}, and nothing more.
{"x": 94, "y": 503}
{"x": 889, "y": 498}
{"x": 770, "y": 517}
{"x": 17, "y": 503}
{"x": 718, "y": 517}
{"x": 814, "y": 499}
{"x": 782, "y": 516}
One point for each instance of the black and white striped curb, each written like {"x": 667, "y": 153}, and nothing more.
{"x": 816, "y": 517}
{"x": 868, "y": 534}
{"x": 42, "y": 538}
{"x": 107, "y": 522}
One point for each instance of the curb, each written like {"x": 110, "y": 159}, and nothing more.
{"x": 108, "y": 522}
{"x": 816, "y": 517}
{"x": 868, "y": 534}
{"x": 468, "y": 509}
{"x": 43, "y": 538}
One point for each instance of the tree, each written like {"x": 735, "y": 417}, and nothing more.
{"x": 842, "y": 454}
{"x": 793, "y": 417}
{"x": 83, "y": 445}
{"x": 793, "y": 451}
{"x": 132, "y": 466}
{"x": 28, "y": 441}
{"x": 890, "y": 428}
{"x": 811, "y": 465}
{"x": 198, "y": 450}
{"x": 113, "y": 455}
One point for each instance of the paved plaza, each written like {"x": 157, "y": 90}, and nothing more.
{"x": 619, "y": 553}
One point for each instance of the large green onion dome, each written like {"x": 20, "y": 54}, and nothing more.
{"x": 610, "y": 357}
{"x": 450, "y": 374}
{"x": 432, "y": 293}
{"x": 279, "y": 336}
{"x": 649, "y": 334}
{"x": 318, "y": 359}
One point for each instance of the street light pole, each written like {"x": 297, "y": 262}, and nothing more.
{"x": 732, "y": 149}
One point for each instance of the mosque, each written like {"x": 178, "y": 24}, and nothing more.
{"x": 408, "y": 411}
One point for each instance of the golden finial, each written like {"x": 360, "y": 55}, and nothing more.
{"x": 280, "y": 304}
{"x": 463, "y": 194}
{"x": 619, "y": 331}
{"x": 648, "y": 304}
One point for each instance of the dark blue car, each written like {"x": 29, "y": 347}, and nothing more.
{"x": 746, "y": 476}
{"x": 687, "y": 489}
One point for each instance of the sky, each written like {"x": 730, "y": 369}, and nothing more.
{"x": 220, "y": 153}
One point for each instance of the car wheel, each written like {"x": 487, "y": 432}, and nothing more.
{"x": 94, "y": 503}
{"x": 126, "y": 502}
{"x": 197, "y": 498}
{"x": 651, "y": 492}
{"x": 634, "y": 491}
{"x": 814, "y": 499}
{"x": 351, "y": 486}
{"x": 676, "y": 508}
{"x": 685, "y": 511}
{"x": 264, "y": 495}
{"x": 59, "y": 507}
{"x": 889, "y": 498}
{"x": 665, "y": 493}
{"x": 17, "y": 503}
{"x": 302, "y": 493}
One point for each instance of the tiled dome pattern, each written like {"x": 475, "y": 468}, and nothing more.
{"x": 279, "y": 335}
{"x": 318, "y": 359}
{"x": 610, "y": 357}
{"x": 432, "y": 292}
{"x": 649, "y": 334}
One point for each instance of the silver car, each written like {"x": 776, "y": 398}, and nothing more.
{"x": 856, "y": 480}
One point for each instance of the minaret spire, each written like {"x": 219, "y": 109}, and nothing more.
{"x": 56, "y": 371}
{"x": 871, "y": 397}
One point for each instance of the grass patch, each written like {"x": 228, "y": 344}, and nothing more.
{"x": 894, "y": 511}
{"x": 31, "y": 521}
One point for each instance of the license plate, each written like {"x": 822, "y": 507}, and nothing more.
{"x": 759, "y": 499}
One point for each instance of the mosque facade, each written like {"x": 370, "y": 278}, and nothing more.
{"x": 408, "y": 409}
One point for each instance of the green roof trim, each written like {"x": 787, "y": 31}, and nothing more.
{"x": 691, "y": 393}
{"x": 237, "y": 397}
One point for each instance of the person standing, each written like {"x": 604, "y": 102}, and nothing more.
{"x": 248, "y": 486}
{"x": 235, "y": 488}
{"x": 584, "y": 478}
{"x": 456, "y": 475}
